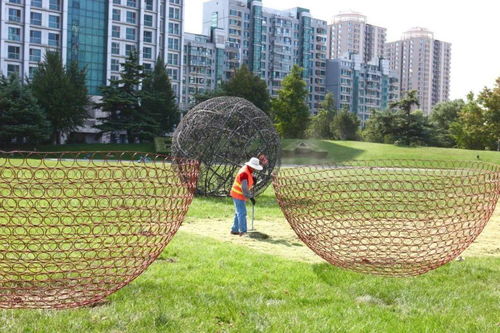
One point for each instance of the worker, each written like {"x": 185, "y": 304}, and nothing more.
{"x": 240, "y": 192}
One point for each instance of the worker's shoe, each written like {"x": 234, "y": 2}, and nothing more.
{"x": 235, "y": 233}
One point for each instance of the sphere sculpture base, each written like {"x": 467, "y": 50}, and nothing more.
{"x": 394, "y": 218}
{"x": 75, "y": 227}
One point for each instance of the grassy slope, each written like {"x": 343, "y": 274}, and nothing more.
{"x": 348, "y": 150}
{"x": 204, "y": 285}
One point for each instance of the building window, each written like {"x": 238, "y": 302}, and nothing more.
{"x": 177, "y": 2}
{"x": 12, "y": 70}
{"x": 149, "y": 4}
{"x": 14, "y": 52}
{"x": 53, "y": 39}
{"x": 147, "y": 68}
{"x": 116, "y": 15}
{"x": 173, "y": 44}
{"x": 54, "y": 21}
{"x": 148, "y": 20}
{"x": 173, "y": 59}
{"x": 15, "y": 1}
{"x": 115, "y": 48}
{"x": 115, "y": 65}
{"x": 173, "y": 74}
{"x": 36, "y": 18}
{"x": 148, "y": 36}
{"x": 36, "y": 3}
{"x": 14, "y": 34}
{"x": 35, "y": 55}
{"x": 131, "y": 17}
{"x": 54, "y": 5}
{"x": 147, "y": 52}
{"x": 14, "y": 15}
{"x": 132, "y": 3}
{"x": 130, "y": 34}
{"x": 117, "y": 2}
{"x": 174, "y": 13}
{"x": 129, "y": 49}
{"x": 115, "y": 31}
{"x": 35, "y": 37}
{"x": 174, "y": 28}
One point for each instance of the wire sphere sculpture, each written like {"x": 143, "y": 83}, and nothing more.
{"x": 395, "y": 218}
{"x": 223, "y": 133}
{"x": 76, "y": 227}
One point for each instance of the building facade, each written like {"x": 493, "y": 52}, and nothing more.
{"x": 351, "y": 34}
{"x": 269, "y": 42}
{"x": 361, "y": 87}
{"x": 422, "y": 64}
{"x": 99, "y": 34}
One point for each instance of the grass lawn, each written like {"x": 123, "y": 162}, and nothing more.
{"x": 349, "y": 150}
{"x": 209, "y": 281}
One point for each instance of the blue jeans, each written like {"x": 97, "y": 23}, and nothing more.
{"x": 240, "y": 217}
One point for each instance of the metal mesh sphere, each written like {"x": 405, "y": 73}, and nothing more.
{"x": 223, "y": 133}
{"x": 75, "y": 227}
{"x": 395, "y": 218}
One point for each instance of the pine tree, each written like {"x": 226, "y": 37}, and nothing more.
{"x": 20, "y": 116}
{"x": 121, "y": 101}
{"x": 345, "y": 125}
{"x": 405, "y": 105}
{"x": 159, "y": 101}
{"x": 290, "y": 108}
{"x": 62, "y": 93}
{"x": 319, "y": 126}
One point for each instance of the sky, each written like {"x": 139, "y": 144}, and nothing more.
{"x": 472, "y": 27}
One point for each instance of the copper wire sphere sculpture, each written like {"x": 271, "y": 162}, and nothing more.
{"x": 397, "y": 218}
{"x": 223, "y": 133}
{"x": 76, "y": 227}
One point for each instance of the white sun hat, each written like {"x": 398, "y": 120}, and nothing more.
{"x": 254, "y": 164}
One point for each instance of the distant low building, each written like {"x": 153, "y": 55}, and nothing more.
{"x": 361, "y": 87}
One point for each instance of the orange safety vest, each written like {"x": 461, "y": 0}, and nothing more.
{"x": 236, "y": 191}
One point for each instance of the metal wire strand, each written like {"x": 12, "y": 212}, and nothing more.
{"x": 392, "y": 217}
{"x": 77, "y": 226}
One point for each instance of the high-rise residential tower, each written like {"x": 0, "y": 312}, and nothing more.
{"x": 98, "y": 33}
{"x": 423, "y": 64}
{"x": 270, "y": 42}
{"x": 351, "y": 34}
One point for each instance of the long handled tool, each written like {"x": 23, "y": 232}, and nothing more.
{"x": 253, "y": 216}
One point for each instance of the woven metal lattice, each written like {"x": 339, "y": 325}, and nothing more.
{"x": 75, "y": 227}
{"x": 223, "y": 133}
{"x": 395, "y": 218}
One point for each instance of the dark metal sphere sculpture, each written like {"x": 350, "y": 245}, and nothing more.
{"x": 76, "y": 227}
{"x": 397, "y": 218}
{"x": 223, "y": 133}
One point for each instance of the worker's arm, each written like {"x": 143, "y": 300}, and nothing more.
{"x": 244, "y": 188}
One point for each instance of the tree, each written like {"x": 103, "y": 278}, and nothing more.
{"x": 62, "y": 93}
{"x": 21, "y": 118}
{"x": 246, "y": 84}
{"x": 490, "y": 100}
{"x": 470, "y": 130}
{"x": 159, "y": 100}
{"x": 380, "y": 127}
{"x": 441, "y": 118}
{"x": 345, "y": 125}
{"x": 319, "y": 126}
{"x": 121, "y": 101}
{"x": 290, "y": 108}
{"x": 405, "y": 105}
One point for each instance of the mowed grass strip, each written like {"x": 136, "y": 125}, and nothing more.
{"x": 201, "y": 285}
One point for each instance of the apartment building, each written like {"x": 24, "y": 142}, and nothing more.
{"x": 423, "y": 64}
{"x": 361, "y": 87}
{"x": 351, "y": 34}
{"x": 270, "y": 42}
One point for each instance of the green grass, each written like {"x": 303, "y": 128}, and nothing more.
{"x": 349, "y": 150}
{"x": 201, "y": 285}
{"x": 141, "y": 147}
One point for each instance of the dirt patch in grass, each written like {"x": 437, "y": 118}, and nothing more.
{"x": 283, "y": 241}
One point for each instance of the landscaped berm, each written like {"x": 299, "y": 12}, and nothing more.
{"x": 207, "y": 280}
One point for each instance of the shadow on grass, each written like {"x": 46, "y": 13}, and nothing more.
{"x": 336, "y": 152}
